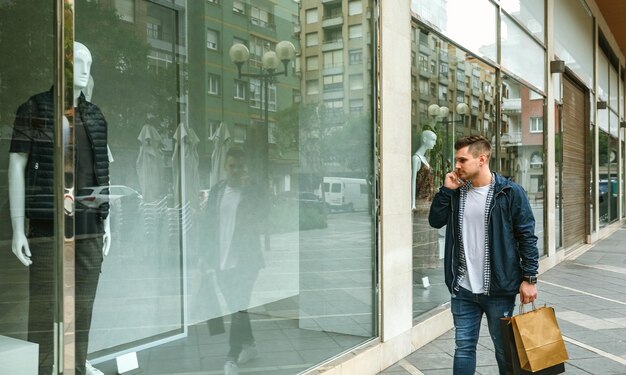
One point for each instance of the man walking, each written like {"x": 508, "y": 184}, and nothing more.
{"x": 491, "y": 249}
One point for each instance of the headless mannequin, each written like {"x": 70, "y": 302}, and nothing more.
{"x": 428, "y": 140}
{"x": 17, "y": 166}
{"x": 88, "y": 266}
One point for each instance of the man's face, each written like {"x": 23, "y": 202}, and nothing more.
{"x": 235, "y": 170}
{"x": 467, "y": 167}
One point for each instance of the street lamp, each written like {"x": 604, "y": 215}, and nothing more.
{"x": 239, "y": 54}
{"x": 436, "y": 111}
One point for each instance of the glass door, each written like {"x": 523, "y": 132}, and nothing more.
{"x": 32, "y": 189}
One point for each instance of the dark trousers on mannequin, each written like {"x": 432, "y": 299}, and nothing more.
{"x": 236, "y": 285}
{"x": 43, "y": 297}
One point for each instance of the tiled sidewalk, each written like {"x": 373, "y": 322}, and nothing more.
{"x": 588, "y": 294}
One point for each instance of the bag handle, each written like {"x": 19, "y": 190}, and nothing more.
{"x": 521, "y": 308}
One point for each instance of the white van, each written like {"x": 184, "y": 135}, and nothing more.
{"x": 348, "y": 194}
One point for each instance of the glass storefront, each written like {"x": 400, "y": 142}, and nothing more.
{"x": 608, "y": 140}
{"x": 457, "y": 93}
{"x": 224, "y": 151}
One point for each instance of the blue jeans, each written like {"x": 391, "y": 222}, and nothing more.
{"x": 467, "y": 311}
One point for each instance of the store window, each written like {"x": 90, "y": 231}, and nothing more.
{"x": 226, "y": 249}
{"x": 448, "y": 110}
{"x": 521, "y": 147}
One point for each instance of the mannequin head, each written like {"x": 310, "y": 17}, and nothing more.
{"x": 429, "y": 138}
{"x": 82, "y": 66}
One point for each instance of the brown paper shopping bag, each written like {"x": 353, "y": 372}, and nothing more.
{"x": 512, "y": 362}
{"x": 538, "y": 339}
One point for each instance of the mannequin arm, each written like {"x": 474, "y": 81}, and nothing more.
{"x": 19, "y": 245}
{"x": 416, "y": 164}
{"x": 106, "y": 239}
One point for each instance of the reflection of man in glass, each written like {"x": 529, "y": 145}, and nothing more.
{"x": 236, "y": 212}
{"x": 31, "y": 193}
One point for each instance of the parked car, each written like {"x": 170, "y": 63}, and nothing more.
{"x": 98, "y": 196}
{"x": 311, "y": 211}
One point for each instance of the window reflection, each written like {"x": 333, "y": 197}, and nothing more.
{"x": 521, "y": 141}
{"x": 250, "y": 225}
{"x": 455, "y": 97}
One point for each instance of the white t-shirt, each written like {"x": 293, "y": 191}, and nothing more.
{"x": 228, "y": 214}
{"x": 474, "y": 238}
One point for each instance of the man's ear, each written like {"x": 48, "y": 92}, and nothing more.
{"x": 483, "y": 159}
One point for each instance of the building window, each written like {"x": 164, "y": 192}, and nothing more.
{"x": 258, "y": 46}
{"x": 271, "y": 130}
{"x": 311, "y": 15}
{"x": 261, "y": 17}
{"x": 312, "y": 87}
{"x": 356, "y": 81}
{"x": 240, "y": 90}
{"x": 423, "y": 62}
{"x": 333, "y": 82}
{"x": 423, "y": 86}
{"x": 536, "y": 124}
{"x": 460, "y": 76}
{"x": 311, "y": 39}
{"x": 413, "y": 107}
{"x": 334, "y": 107}
{"x": 126, "y": 10}
{"x": 239, "y": 135}
{"x": 413, "y": 83}
{"x": 213, "y": 84}
{"x": 355, "y": 7}
{"x": 443, "y": 93}
{"x": 356, "y": 106}
{"x": 257, "y": 96}
{"x": 356, "y": 56}
{"x": 214, "y": 1}
{"x": 239, "y": 7}
{"x": 312, "y": 63}
{"x": 443, "y": 70}
{"x": 333, "y": 59}
{"x": 158, "y": 60}
{"x": 153, "y": 30}
{"x": 355, "y": 31}
{"x": 212, "y": 38}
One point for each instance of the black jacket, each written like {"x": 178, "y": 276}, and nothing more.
{"x": 513, "y": 249}
{"x": 34, "y": 129}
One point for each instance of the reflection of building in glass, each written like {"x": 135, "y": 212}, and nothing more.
{"x": 239, "y": 103}
{"x": 521, "y": 136}
{"x": 445, "y": 75}
{"x": 335, "y": 67}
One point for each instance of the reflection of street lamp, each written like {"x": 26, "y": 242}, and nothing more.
{"x": 239, "y": 54}
{"x": 436, "y": 111}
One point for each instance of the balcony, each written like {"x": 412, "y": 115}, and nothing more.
{"x": 512, "y": 138}
{"x": 331, "y": 1}
{"x": 333, "y": 20}
{"x": 512, "y": 105}
{"x": 332, "y": 45}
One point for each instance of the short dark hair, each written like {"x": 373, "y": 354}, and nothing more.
{"x": 477, "y": 145}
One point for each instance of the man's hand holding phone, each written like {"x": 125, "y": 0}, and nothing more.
{"x": 453, "y": 181}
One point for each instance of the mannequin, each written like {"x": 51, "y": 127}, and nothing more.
{"x": 31, "y": 143}
{"x": 425, "y": 238}
{"x": 419, "y": 159}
